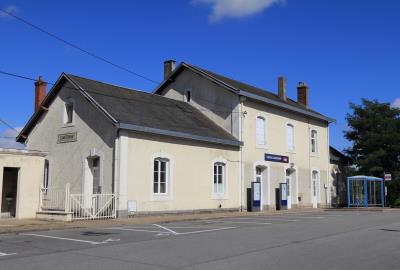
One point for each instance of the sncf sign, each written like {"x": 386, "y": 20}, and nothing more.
{"x": 276, "y": 158}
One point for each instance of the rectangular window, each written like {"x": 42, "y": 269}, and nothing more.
{"x": 160, "y": 176}
{"x": 219, "y": 178}
{"x": 314, "y": 141}
{"x": 260, "y": 130}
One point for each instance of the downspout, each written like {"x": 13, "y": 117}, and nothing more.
{"x": 116, "y": 163}
{"x": 328, "y": 199}
{"x": 241, "y": 125}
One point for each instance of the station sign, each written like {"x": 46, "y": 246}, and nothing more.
{"x": 276, "y": 158}
{"x": 388, "y": 177}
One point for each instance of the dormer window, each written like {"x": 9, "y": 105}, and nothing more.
{"x": 69, "y": 112}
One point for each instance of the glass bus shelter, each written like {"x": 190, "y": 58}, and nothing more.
{"x": 365, "y": 191}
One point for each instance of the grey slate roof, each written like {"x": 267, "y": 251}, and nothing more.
{"x": 153, "y": 113}
{"x": 240, "y": 87}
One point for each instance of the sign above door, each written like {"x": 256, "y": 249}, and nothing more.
{"x": 276, "y": 158}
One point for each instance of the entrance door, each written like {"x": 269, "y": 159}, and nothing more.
{"x": 314, "y": 189}
{"x": 9, "y": 193}
{"x": 95, "y": 169}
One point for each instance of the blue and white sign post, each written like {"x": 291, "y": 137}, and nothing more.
{"x": 255, "y": 196}
{"x": 283, "y": 195}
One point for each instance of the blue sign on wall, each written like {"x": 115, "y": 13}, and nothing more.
{"x": 276, "y": 158}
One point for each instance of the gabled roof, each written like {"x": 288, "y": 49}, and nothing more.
{"x": 246, "y": 90}
{"x": 143, "y": 112}
{"x": 336, "y": 155}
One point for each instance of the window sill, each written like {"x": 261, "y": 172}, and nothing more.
{"x": 290, "y": 151}
{"x": 160, "y": 197}
{"x": 258, "y": 146}
{"x": 219, "y": 196}
{"x": 314, "y": 155}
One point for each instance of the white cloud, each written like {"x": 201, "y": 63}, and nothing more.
{"x": 396, "y": 103}
{"x": 11, "y": 9}
{"x": 236, "y": 8}
{"x": 7, "y": 139}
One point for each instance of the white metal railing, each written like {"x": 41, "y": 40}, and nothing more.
{"x": 54, "y": 198}
{"x": 79, "y": 206}
{"x": 88, "y": 206}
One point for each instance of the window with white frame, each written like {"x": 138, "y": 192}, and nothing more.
{"x": 290, "y": 137}
{"x": 46, "y": 174}
{"x": 69, "y": 112}
{"x": 161, "y": 174}
{"x": 260, "y": 130}
{"x": 314, "y": 141}
{"x": 219, "y": 178}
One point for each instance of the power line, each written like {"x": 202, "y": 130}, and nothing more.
{"x": 8, "y": 125}
{"x": 77, "y": 47}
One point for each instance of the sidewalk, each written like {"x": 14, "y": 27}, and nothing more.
{"x": 24, "y": 225}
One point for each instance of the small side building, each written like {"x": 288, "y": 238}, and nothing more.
{"x": 338, "y": 161}
{"x": 21, "y": 174}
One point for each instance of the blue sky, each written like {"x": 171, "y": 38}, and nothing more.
{"x": 344, "y": 49}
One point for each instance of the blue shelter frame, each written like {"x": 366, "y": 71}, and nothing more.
{"x": 364, "y": 191}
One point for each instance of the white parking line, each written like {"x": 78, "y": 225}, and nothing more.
{"x": 210, "y": 230}
{"x": 66, "y": 239}
{"x": 135, "y": 230}
{"x": 6, "y": 254}
{"x": 241, "y": 222}
{"x": 165, "y": 228}
{"x": 271, "y": 219}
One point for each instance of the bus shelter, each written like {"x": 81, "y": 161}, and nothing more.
{"x": 365, "y": 191}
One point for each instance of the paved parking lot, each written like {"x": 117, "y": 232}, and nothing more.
{"x": 328, "y": 240}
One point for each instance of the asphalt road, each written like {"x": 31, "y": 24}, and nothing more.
{"x": 330, "y": 240}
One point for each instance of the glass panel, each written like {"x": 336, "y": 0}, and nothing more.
{"x": 155, "y": 165}
{"x": 163, "y": 177}
{"x": 215, "y": 178}
{"x": 220, "y": 179}
{"x": 69, "y": 109}
{"x": 220, "y": 169}
{"x": 163, "y": 187}
{"x": 155, "y": 179}
{"x": 163, "y": 166}
{"x": 155, "y": 188}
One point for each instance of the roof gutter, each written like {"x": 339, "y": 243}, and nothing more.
{"x": 286, "y": 106}
{"x": 178, "y": 134}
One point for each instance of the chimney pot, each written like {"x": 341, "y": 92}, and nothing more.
{"x": 282, "y": 88}
{"x": 169, "y": 67}
{"x": 40, "y": 92}
{"x": 302, "y": 94}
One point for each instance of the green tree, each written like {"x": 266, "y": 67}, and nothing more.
{"x": 375, "y": 136}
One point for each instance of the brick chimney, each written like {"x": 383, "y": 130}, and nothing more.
{"x": 169, "y": 67}
{"x": 40, "y": 92}
{"x": 302, "y": 94}
{"x": 282, "y": 88}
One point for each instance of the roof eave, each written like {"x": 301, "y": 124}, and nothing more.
{"x": 178, "y": 134}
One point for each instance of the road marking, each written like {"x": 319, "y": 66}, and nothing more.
{"x": 243, "y": 222}
{"x": 6, "y": 254}
{"x": 135, "y": 230}
{"x": 63, "y": 238}
{"x": 165, "y": 228}
{"x": 272, "y": 219}
{"x": 210, "y": 230}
